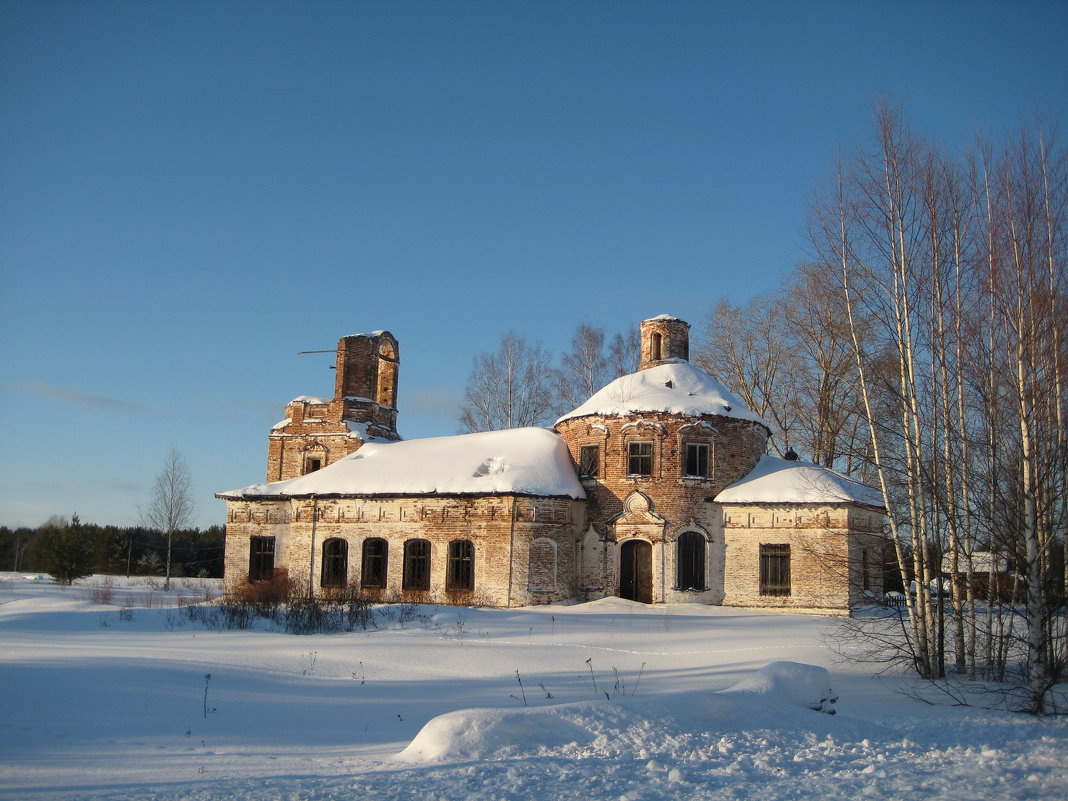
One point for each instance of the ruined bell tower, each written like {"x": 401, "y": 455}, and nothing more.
{"x": 365, "y": 390}
{"x": 316, "y": 432}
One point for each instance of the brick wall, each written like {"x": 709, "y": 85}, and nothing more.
{"x": 826, "y": 554}
{"x": 675, "y": 503}
{"x": 304, "y": 435}
{"x": 502, "y": 574}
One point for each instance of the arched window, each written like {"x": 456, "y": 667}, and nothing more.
{"x": 335, "y": 563}
{"x": 315, "y": 458}
{"x": 373, "y": 572}
{"x": 690, "y": 561}
{"x": 460, "y": 576}
{"x": 416, "y": 565}
{"x": 657, "y": 347}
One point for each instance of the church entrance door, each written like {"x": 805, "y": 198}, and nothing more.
{"x": 636, "y": 571}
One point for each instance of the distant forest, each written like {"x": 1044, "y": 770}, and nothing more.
{"x": 135, "y": 550}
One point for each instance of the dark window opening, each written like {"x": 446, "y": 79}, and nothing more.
{"x": 774, "y": 569}
{"x": 460, "y": 575}
{"x": 697, "y": 459}
{"x": 373, "y": 570}
{"x": 261, "y": 558}
{"x": 311, "y": 464}
{"x": 640, "y": 459}
{"x": 656, "y": 343}
{"x": 335, "y": 563}
{"x": 691, "y": 561}
{"x": 416, "y": 565}
{"x": 589, "y": 461}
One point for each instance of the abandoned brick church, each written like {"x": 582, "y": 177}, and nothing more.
{"x": 657, "y": 489}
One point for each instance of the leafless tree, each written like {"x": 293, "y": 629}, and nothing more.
{"x": 171, "y": 505}
{"x": 745, "y": 347}
{"x": 951, "y": 277}
{"x": 787, "y": 353}
{"x": 508, "y": 389}
{"x": 583, "y": 370}
{"x": 828, "y": 423}
{"x": 623, "y": 353}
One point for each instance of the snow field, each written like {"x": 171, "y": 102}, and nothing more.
{"x": 674, "y": 702}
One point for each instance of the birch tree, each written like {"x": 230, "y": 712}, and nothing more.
{"x": 171, "y": 505}
{"x": 583, "y": 370}
{"x": 510, "y": 388}
{"x": 952, "y": 276}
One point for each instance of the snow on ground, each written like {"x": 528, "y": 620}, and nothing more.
{"x": 113, "y": 701}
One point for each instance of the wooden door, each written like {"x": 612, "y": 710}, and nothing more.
{"x": 636, "y": 571}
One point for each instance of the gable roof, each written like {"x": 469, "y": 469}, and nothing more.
{"x": 520, "y": 461}
{"x": 676, "y": 387}
{"x": 776, "y": 480}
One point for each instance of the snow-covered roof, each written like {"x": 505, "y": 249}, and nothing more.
{"x": 523, "y": 461}
{"x": 676, "y": 387}
{"x": 776, "y": 480}
{"x": 662, "y": 317}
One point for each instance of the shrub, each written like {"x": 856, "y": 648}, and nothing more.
{"x": 265, "y": 597}
{"x": 66, "y": 552}
{"x": 103, "y": 591}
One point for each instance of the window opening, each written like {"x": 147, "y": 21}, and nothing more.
{"x": 697, "y": 459}
{"x": 460, "y": 575}
{"x": 373, "y": 571}
{"x": 311, "y": 464}
{"x": 774, "y": 569}
{"x": 589, "y": 461}
{"x": 335, "y": 563}
{"x": 691, "y": 561}
{"x": 416, "y": 565}
{"x": 261, "y": 558}
{"x": 640, "y": 459}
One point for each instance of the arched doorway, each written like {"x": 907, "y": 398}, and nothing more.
{"x": 636, "y": 571}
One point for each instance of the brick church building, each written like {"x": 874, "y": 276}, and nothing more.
{"x": 657, "y": 489}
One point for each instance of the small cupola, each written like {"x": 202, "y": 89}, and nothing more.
{"x": 664, "y": 339}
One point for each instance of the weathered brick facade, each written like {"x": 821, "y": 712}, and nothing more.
{"x": 835, "y": 554}
{"x": 650, "y": 528}
{"x": 659, "y": 507}
{"x": 503, "y": 530}
{"x": 316, "y": 432}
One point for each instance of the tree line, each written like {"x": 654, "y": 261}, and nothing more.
{"x": 920, "y": 348}
{"x": 70, "y": 549}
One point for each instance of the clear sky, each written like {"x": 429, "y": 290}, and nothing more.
{"x": 192, "y": 192}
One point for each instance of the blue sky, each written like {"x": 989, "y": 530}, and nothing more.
{"x": 193, "y": 192}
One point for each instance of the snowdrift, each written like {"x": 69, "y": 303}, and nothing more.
{"x": 781, "y": 694}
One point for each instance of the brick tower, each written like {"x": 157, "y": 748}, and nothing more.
{"x": 318, "y": 431}
{"x": 664, "y": 339}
